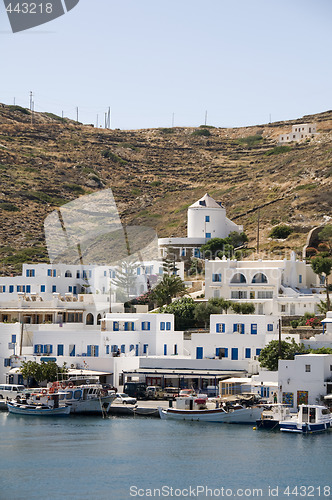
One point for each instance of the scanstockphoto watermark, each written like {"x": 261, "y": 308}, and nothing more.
{"x": 167, "y": 491}
{"x": 24, "y": 15}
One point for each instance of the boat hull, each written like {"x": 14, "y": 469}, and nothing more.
{"x": 267, "y": 424}
{"x": 304, "y": 428}
{"x": 90, "y": 406}
{"x": 40, "y": 412}
{"x": 241, "y": 416}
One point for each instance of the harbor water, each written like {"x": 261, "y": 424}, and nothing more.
{"x": 122, "y": 458}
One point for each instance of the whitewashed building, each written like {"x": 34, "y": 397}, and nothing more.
{"x": 279, "y": 287}
{"x": 305, "y": 380}
{"x": 299, "y": 132}
{"x": 206, "y": 219}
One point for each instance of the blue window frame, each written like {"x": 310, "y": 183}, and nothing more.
{"x": 162, "y": 325}
{"x": 6, "y": 362}
{"x": 145, "y": 348}
{"x": 300, "y": 278}
{"x": 53, "y": 288}
{"x": 114, "y": 348}
{"x": 136, "y": 349}
{"x": 146, "y": 325}
{"x": 129, "y": 326}
{"x": 216, "y": 277}
{"x": 197, "y": 253}
{"x": 28, "y": 289}
{"x": 38, "y": 349}
{"x": 75, "y": 290}
{"x": 248, "y": 353}
{"x": 165, "y": 349}
{"x": 207, "y": 218}
{"x": 168, "y": 325}
{"x": 226, "y": 352}
{"x": 238, "y": 327}
{"x": 123, "y": 348}
{"x": 51, "y": 273}
{"x": 11, "y": 288}
{"x": 13, "y": 339}
{"x": 60, "y": 350}
{"x": 131, "y": 347}
{"x": 107, "y": 349}
{"x": 270, "y": 327}
{"x": 207, "y": 235}
{"x": 235, "y": 353}
{"x": 30, "y": 273}
{"x": 258, "y": 351}
{"x": 115, "y": 326}
{"x": 220, "y": 327}
{"x": 199, "y": 352}
{"x": 42, "y": 288}
{"x": 253, "y": 329}
{"x": 48, "y": 349}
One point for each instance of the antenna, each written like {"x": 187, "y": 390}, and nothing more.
{"x": 97, "y": 122}
{"x": 205, "y": 118}
{"x": 173, "y": 119}
{"x": 77, "y": 113}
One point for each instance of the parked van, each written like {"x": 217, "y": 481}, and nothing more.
{"x": 154, "y": 392}
{"x": 135, "y": 389}
{"x": 10, "y": 391}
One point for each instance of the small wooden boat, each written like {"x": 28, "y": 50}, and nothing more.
{"x": 198, "y": 409}
{"x": 39, "y": 410}
{"x": 310, "y": 418}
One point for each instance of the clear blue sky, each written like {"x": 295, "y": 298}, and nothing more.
{"x": 238, "y": 59}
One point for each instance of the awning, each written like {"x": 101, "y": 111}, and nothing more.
{"x": 238, "y": 380}
{"x": 89, "y": 373}
{"x": 329, "y": 396}
{"x": 187, "y": 373}
{"x": 326, "y": 320}
{"x": 270, "y": 384}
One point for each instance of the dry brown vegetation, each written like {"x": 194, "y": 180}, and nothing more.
{"x": 155, "y": 174}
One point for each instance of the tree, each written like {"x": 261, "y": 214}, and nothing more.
{"x": 217, "y": 247}
{"x": 323, "y": 266}
{"x": 125, "y": 280}
{"x": 169, "y": 266}
{"x": 326, "y": 236}
{"x": 183, "y": 310}
{"x": 203, "y": 311}
{"x": 269, "y": 356}
{"x": 167, "y": 288}
{"x": 242, "y": 308}
{"x": 222, "y": 304}
{"x": 237, "y": 239}
{"x": 49, "y": 371}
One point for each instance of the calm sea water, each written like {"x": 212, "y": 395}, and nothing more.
{"x": 92, "y": 458}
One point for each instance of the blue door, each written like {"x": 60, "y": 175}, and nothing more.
{"x": 235, "y": 353}
{"x": 199, "y": 352}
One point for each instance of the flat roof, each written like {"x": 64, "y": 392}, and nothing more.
{"x": 169, "y": 372}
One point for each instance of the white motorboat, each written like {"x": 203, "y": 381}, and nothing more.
{"x": 272, "y": 415}
{"x": 199, "y": 409}
{"x": 39, "y": 410}
{"x": 310, "y": 418}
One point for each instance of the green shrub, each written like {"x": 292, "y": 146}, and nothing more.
{"x": 155, "y": 183}
{"x": 10, "y": 207}
{"x": 20, "y": 109}
{"x": 75, "y": 188}
{"x": 307, "y": 187}
{"x": 167, "y": 130}
{"x": 111, "y": 156}
{"x": 294, "y": 323}
{"x": 278, "y": 150}
{"x": 251, "y": 140}
{"x": 202, "y": 131}
{"x": 280, "y": 232}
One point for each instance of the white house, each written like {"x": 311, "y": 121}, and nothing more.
{"x": 299, "y": 132}
{"x": 280, "y": 287}
{"x": 206, "y": 219}
{"x": 305, "y": 380}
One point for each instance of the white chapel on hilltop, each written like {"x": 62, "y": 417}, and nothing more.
{"x": 206, "y": 219}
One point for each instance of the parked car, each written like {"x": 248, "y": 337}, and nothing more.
{"x": 154, "y": 392}
{"x": 135, "y": 389}
{"x": 123, "y": 398}
{"x": 171, "y": 392}
{"x": 187, "y": 392}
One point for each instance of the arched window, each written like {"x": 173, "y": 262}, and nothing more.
{"x": 259, "y": 278}
{"x": 239, "y": 278}
{"x": 89, "y": 319}
{"x": 98, "y": 319}
{"x": 68, "y": 274}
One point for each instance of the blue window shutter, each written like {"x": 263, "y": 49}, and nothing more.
{"x": 217, "y": 351}
{"x": 53, "y": 288}
{"x": 96, "y": 351}
{"x": 60, "y": 349}
{"x": 123, "y": 348}
{"x": 13, "y": 339}
{"x": 136, "y": 350}
{"x": 35, "y": 349}
{"x": 223, "y": 327}
{"x": 28, "y": 288}
{"x": 165, "y": 349}
{"x": 126, "y": 326}
{"x": 226, "y": 352}
{"x": 270, "y": 327}
{"x": 162, "y": 325}
{"x": 218, "y": 327}
{"x": 248, "y": 353}
{"x": 235, "y": 353}
{"x": 145, "y": 348}
{"x": 42, "y": 288}
{"x": 143, "y": 325}
{"x": 51, "y": 348}
{"x": 11, "y": 288}
{"x": 258, "y": 351}
{"x": 89, "y": 350}
{"x": 107, "y": 349}
{"x": 235, "y": 327}
{"x": 149, "y": 325}
{"x": 168, "y": 325}
{"x": 253, "y": 329}
{"x": 242, "y": 329}
{"x": 115, "y": 326}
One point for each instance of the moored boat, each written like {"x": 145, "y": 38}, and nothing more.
{"x": 272, "y": 415}
{"x": 309, "y": 419}
{"x": 39, "y": 410}
{"x": 198, "y": 409}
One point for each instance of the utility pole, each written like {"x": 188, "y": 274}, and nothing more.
{"x": 258, "y": 215}
{"x": 77, "y": 114}
{"x": 173, "y": 120}
{"x": 31, "y": 106}
{"x": 270, "y": 117}
{"x": 205, "y": 118}
{"x": 105, "y": 120}
{"x": 97, "y": 122}
{"x": 109, "y": 117}
{"x": 14, "y": 100}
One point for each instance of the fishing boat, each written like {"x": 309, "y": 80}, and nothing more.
{"x": 24, "y": 407}
{"x": 272, "y": 415}
{"x": 309, "y": 419}
{"x": 199, "y": 409}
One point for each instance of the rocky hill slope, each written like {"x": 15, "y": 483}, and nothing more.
{"x": 155, "y": 174}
